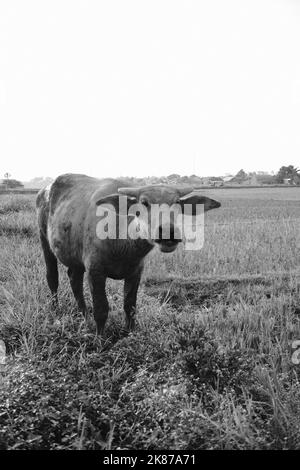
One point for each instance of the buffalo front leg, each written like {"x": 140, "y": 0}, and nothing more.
{"x": 100, "y": 303}
{"x": 131, "y": 286}
{"x": 51, "y": 267}
{"x": 76, "y": 280}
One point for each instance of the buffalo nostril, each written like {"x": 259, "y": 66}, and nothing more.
{"x": 169, "y": 233}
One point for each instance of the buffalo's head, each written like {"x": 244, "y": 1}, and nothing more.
{"x": 156, "y": 207}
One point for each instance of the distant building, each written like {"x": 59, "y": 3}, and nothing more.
{"x": 216, "y": 181}
{"x": 212, "y": 181}
{"x": 294, "y": 181}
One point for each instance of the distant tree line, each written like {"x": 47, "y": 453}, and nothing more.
{"x": 286, "y": 175}
{"x": 9, "y": 183}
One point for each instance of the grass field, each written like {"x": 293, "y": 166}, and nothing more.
{"x": 209, "y": 365}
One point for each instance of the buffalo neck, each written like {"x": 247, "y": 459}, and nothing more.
{"x": 133, "y": 249}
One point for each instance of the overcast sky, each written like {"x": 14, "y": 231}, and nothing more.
{"x": 115, "y": 87}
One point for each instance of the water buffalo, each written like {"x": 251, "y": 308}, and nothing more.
{"x": 67, "y": 219}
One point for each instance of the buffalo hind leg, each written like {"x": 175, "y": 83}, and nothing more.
{"x": 131, "y": 286}
{"x": 76, "y": 280}
{"x": 51, "y": 267}
{"x": 100, "y": 303}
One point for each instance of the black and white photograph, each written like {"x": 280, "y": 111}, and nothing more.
{"x": 149, "y": 228}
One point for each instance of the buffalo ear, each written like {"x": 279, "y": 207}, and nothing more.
{"x": 194, "y": 199}
{"x": 115, "y": 200}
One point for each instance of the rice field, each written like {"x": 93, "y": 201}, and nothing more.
{"x": 211, "y": 364}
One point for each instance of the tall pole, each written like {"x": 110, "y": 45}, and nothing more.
{"x": 7, "y": 176}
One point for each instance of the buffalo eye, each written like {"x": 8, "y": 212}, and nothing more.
{"x": 145, "y": 202}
